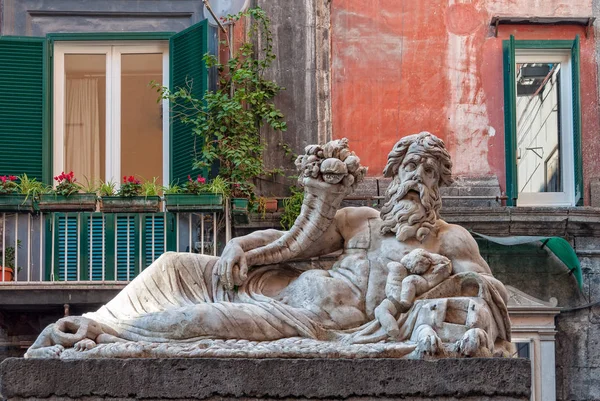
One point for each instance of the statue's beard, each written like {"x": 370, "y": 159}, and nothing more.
{"x": 408, "y": 218}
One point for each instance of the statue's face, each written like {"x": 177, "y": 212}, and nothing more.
{"x": 420, "y": 168}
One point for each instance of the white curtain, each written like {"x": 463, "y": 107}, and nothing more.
{"x": 82, "y": 128}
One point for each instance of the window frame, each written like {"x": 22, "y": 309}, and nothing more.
{"x": 573, "y": 194}
{"x": 113, "y": 51}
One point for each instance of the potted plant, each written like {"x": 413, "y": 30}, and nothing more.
{"x": 11, "y": 200}
{"x": 66, "y": 196}
{"x": 130, "y": 198}
{"x": 17, "y": 194}
{"x": 240, "y": 202}
{"x": 229, "y": 120}
{"x": 8, "y": 269}
{"x": 291, "y": 208}
{"x": 266, "y": 205}
{"x": 196, "y": 195}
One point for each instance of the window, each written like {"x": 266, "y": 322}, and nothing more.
{"x": 95, "y": 113}
{"x": 542, "y": 120}
{"x": 107, "y": 121}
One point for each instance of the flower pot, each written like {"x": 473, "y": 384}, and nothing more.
{"x": 239, "y": 210}
{"x": 281, "y": 204}
{"x": 269, "y": 205}
{"x": 130, "y": 204}
{"x": 239, "y": 205}
{"x": 8, "y": 274}
{"x": 71, "y": 203}
{"x": 16, "y": 203}
{"x": 208, "y": 202}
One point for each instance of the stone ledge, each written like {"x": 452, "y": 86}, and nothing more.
{"x": 577, "y": 221}
{"x": 551, "y": 221}
{"x": 212, "y": 378}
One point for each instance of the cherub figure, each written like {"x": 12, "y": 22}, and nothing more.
{"x": 418, "y": 272}
{"x": 426, "y": 270}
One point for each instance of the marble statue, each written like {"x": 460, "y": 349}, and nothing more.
{"x": 405, "y": 284}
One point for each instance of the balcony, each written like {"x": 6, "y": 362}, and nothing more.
{"x": 59, "y": 257}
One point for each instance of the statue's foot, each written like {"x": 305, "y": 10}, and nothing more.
{"x": 474, "y": 343}
{"x": 51, "y": 352}
{"x": 84, "y": 345}
{"x": 428, "y": 342}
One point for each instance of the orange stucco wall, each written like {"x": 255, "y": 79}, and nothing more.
{"x": 403, "y": 66}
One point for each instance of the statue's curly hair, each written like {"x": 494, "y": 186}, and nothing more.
{"x": 423, "y": 142}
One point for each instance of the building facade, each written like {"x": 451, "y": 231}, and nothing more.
{"x": 512, "y": 88}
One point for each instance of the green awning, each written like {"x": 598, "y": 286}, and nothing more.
{"x": 557, "y": 245}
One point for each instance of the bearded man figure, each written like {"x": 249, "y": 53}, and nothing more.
{"x": 404, "y": 276}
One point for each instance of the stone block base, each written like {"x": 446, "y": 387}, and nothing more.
{"x": 266, "y": 379}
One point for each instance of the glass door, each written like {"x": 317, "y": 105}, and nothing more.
{"x": 108, "y": 120}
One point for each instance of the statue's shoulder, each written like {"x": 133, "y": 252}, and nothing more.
{"x": 357, "y": 215}
{"x": 454, "y": 238}
{"x": 350, "y": 220}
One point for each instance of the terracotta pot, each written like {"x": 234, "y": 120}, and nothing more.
{"x": 269, "y": 205}
{"x": 8, "y": 274}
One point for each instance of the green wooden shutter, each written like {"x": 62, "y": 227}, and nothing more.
{"x": 510, "y": 120}
{"x": 23, "y": 115}
{"x": 127, "y": 246}
{"x": 577, "y": 159}
{"x": 66, "y": 245}
{"x": 187, "y": 68}
{"x": 95, "y": 244}
{"x": 154, "y": 237}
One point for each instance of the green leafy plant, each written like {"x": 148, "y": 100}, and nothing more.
{"x": 228, "y": 120}
{"x": 8, "y": 184}
{"x": 67, "y": 184}
{"x": 151, "y": 188}
{"x": 219, "y": 186}
{"x": 131, "y": 186}
{"x": 90, "y": 187}
{"x": 31, "y": 187}
{"x": 9, "y": 256}
{"x": 172, "y": 189}
{"x": 291, "y": 208}
{"x": 107, "y": 188}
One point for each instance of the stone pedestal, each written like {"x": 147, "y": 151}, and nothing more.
{"x": 264, "y": 379}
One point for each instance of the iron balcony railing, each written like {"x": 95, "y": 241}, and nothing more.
{"x": 84, "y": 247}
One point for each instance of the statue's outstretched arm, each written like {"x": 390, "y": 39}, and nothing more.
{"x": 328, "y": 174}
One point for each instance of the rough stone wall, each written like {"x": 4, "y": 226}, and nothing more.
{"x": 301, "y": 45}
{"x": 536, "y": 272}
{"x": 498, "y": 379}
{"x": 578, "y": 333}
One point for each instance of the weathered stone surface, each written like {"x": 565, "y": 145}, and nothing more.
{"x": 447, "y": 379}
{"x": 373, "y": 292}
{"x": 595, "y": 192}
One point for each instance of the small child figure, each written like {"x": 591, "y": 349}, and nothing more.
{"x": 418, "y": 272}
{"x": 426, "y": 270}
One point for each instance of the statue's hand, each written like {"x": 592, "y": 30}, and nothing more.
{"x": 72, "y": 329}
{"x": 232, "y": 268}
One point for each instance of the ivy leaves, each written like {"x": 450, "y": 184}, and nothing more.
{"x": 228, "y": 120}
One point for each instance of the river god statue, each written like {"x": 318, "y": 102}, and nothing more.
{"x": 406, "y": 284}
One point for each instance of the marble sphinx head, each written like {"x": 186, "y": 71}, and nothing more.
{"x": 419, "y": 165}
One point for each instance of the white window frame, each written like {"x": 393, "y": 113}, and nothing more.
{"x": 112, "y": 52}
{"x": 567, "y": 197}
